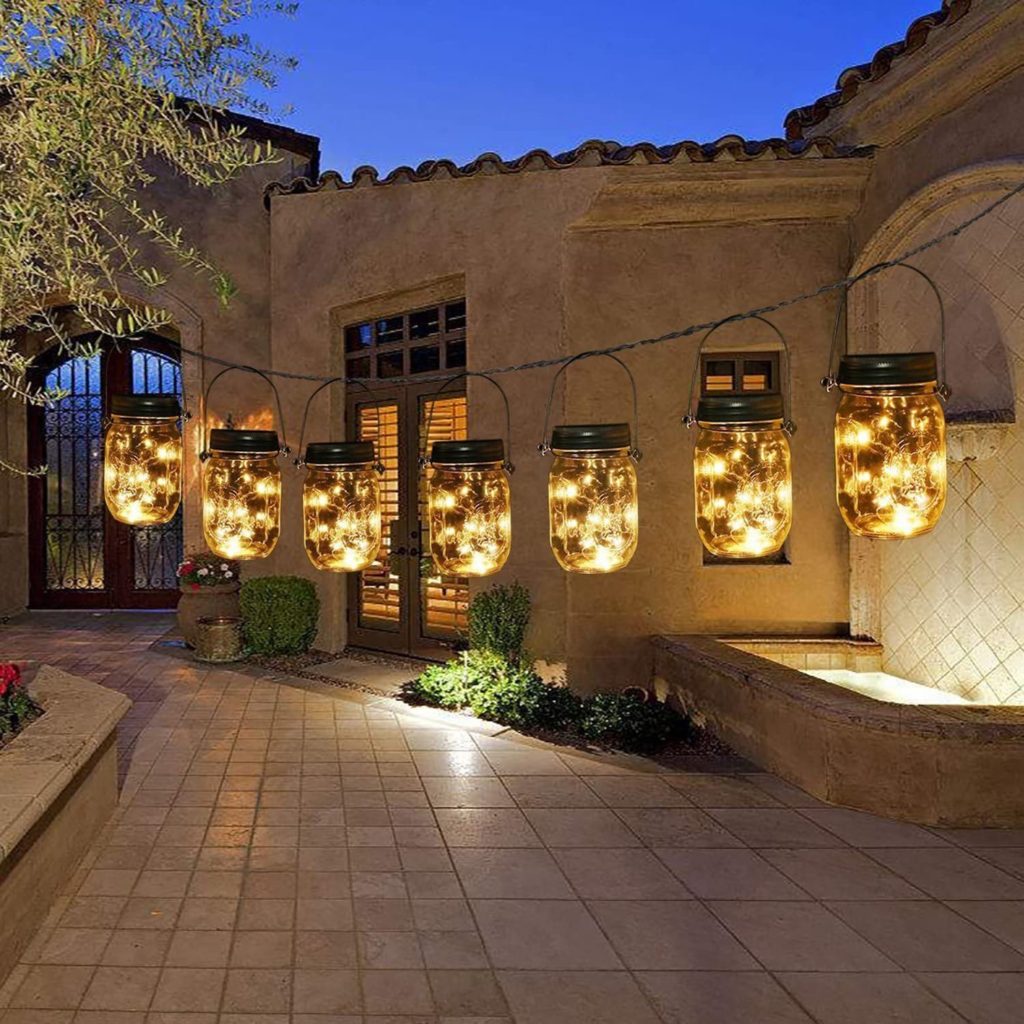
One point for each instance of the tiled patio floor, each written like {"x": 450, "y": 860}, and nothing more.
{"x": 289, "y": 855}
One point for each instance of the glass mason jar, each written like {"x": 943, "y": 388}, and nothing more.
{"x": 742, "y": 475}
{"x": 470, "y": 513}
{"x": 242, "y": 493}
{"x": 142, "y": 459}
{"x": 592, "y": 498}
{"x": 341, "y": 515}
{"x": 890, "y": 445}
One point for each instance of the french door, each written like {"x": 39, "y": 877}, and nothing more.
{"x": 79, "y": 555}
{"x": 401, "y": 603}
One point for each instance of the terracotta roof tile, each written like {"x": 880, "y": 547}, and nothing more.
{"x": 590, "y": 154}
{"x": 853, "y": 79}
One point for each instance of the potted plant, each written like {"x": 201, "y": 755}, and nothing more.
{"x": 209, "y": 587}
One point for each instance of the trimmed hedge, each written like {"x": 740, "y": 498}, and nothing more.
{"x": 279, "y": 614}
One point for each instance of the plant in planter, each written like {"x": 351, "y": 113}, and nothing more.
{"x": 279, "y": 615}
{"x": 17, "y": 708}
{"x": 209, "y": 587}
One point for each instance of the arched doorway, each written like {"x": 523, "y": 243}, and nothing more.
{"x": 79, "y": 556}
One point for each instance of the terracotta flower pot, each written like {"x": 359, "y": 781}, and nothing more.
{"x": 202, "y": 602}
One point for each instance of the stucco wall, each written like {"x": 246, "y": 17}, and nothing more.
{"x": 560, "y": 262}
{"x": 946, "y": 606}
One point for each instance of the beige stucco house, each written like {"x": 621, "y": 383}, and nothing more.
{"x": 441, "y": 267}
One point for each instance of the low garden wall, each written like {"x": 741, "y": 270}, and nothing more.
{"x": 58, "y": 787}
{"x": 947, "y": 765}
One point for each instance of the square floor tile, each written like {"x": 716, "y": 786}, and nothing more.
{"x": 632, "y": 874}
{"x": 980, "y": 998}
{"x": 526, "y": 762}
{"x": 729, "y": 875}
{"x": 327, "y": 991}
{"x": 636, "y": 791}
{"x": 199, "y": 949}
{"x": 952, "y": 874}
{"x": 396, "y": 992}
{"x": 857, "y": 998}
{"x": 52, "y": 987}
{"x": 722, "y": 997}
{"x": 452, "y": 950}
{"x": 469, "y": 995}
{"x": 771, "y": 827}
{"x": 485, "y": 827}
{"x": 121, "y": 988}
{"x": 861, "y": 829}
{"x": 842, "y": 874}
{"x": 134, "y": 948}
{"x": 666, "y": 826}
{"x": 389, "y": 950}
{"x": 581, "y": 826}
{"x": 798, "y": 937}
{"x": 661, "y": 936}
{"x": 451, "y": 763}
{"x": 261, "y": 949}
{"x": 542, "y": 934}
{"x": 1002, "y": 918}
{"x": 926, "y": 936}
{"x": 471, "y": 791}
{"x": 258, "y": 991}
{"x": 721, "y": 791}
{"x": 74, "y": 946}
{"x": 576, "y": 997}
{"x": 510, "y": 874}
{"x": 551, "y": 791}
{"x": 190, "y": 989}
{"x": 325, "y": 949}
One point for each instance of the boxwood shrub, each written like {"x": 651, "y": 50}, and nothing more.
{"x": 279, "y": 614}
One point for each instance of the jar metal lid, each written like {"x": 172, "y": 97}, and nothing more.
{"x": 750, "y": 408}
{"x": 467, "y": 453}
{"x": 582, "y": 437}
{"x": 339, "y": 453}
{"x": 244, "y": 442}
{"x": 895, "y": 369}
{"x": 145, "y": 405}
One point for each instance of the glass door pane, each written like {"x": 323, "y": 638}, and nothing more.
{"x": 156, "y": 550}
{"x": 444, "y": 600}
{"x": 379, "y": 593}
{"x": 73, "y": 513}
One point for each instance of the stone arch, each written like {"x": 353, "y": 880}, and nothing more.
{"x": 947, "y": 606}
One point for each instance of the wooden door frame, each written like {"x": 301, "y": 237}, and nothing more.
{"x": 118, "y": 591}
{"x": 408, "y": 639}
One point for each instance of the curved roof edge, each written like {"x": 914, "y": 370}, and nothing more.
{"x": 593, "y": 153}
{"x": 853, "y": 79}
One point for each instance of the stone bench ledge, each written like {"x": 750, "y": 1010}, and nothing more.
{"x": 42, "y": 760}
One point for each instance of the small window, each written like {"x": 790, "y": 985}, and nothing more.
{"x": 737, "y": 373}
{"x": 435, "y": 339}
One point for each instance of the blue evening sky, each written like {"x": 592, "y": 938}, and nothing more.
{"x": 389, "y": 82}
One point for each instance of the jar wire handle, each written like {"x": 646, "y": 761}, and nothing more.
{"x": 204, "y": 452}
{"x": 831, "y": 381}
{"x": 299, "y": 459}
{"x": 424, "y": 457}
{"x": 788, "y": 423}
{"x": 634, "y": 452}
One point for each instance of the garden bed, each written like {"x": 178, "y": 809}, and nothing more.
{"x": 58, "y": 787}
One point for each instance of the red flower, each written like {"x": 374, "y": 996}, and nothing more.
{"x": 195, "y": 586}
{"x": 10, "y": 678}
{"x": 185, "y": 568}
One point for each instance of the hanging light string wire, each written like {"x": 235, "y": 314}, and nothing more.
{"x": 685, "y": 332}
